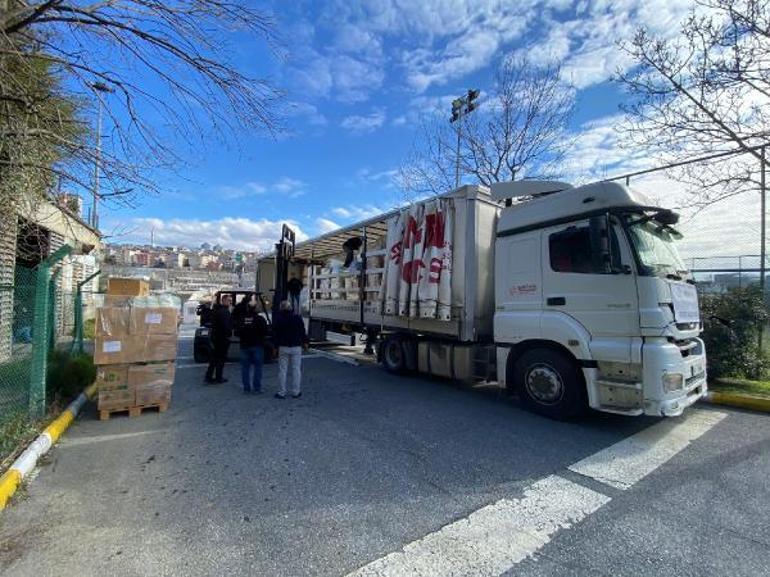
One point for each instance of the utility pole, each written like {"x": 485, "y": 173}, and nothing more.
{"x": 763, "y": 221}
{"x": 460, "y": 107}
{"x": 98, "y": 87}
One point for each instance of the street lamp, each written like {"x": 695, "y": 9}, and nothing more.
{"x": 98, "y": 87}
{"x": 460, "y": 107}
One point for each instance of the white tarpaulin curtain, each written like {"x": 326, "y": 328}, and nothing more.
{"x": 418, "y": 277}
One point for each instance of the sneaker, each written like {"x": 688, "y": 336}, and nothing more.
{"x": 297, "y": 396}
{"x": 279, "y": 396}
{"x": 220, "y": 381}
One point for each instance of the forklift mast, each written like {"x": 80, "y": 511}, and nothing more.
{"x": 284, "y": 252}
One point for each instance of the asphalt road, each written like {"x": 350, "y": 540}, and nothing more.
{"x": 366, "y": 464}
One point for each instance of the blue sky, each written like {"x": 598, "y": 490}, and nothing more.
{"x": 356, "y": 77}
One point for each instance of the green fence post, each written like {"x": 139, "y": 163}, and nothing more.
{"x": 40, "y": 330}
{"x": 52, "y": 310}
{"x": 77, "y": 342}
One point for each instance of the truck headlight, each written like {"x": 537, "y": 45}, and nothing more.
{"x": 673, "y": 382}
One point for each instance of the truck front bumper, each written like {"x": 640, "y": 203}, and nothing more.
{"x": 662, "y": 358}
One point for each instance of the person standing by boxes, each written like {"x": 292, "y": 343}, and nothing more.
{"x": 221, "y": 329}
{"x": 252, "y": 329}
{"x": 290, "y": 338}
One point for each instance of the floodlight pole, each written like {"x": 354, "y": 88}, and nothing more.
{"x": 460, "y": 108}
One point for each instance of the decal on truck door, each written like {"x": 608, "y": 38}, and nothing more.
{"x": 419, "y": 261}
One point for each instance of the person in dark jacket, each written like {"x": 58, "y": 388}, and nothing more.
{"x": 290, "y": 338}
{"x": 252, "y": 329}
{"x": 221, "y": 329}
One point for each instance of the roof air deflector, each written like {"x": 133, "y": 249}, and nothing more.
{"x": 519, "y": 188}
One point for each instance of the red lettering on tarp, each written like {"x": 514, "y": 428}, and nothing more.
{"x": 396, "y": 252}
{"x": 410, "y": 272}
{"x": 412, "y": 233}
{"x": 434, "y": 230}
{"x": 434, "y": 276}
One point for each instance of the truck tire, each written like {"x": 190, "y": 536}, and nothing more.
{"x": 393, "y": 355}
{"x": 549, "y": 383}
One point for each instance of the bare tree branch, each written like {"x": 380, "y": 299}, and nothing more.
{"x": 520, "y": 131}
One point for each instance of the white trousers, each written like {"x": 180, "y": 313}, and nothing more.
{"x": 289, "y": 359}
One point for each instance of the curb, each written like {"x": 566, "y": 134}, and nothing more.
{"x": 739, "y": 401}
{"x": 25, "y": 463}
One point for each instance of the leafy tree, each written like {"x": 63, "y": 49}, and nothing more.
{"x": 732, "y": 324}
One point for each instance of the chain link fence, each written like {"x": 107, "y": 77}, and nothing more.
{"x": 37, "y": 317}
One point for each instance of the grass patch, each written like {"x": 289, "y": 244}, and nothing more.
{"x": 16, "y": 432}
{"x": 741, "y": 387}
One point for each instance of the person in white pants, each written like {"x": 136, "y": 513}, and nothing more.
{"x": 290, "y": 337}
{"x": 289, "y": 363}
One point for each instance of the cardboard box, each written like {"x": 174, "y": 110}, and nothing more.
{"x": 117, "y": 300}
{"x": 110, "y": 400}
{"x": 112, "y": 378}
{"x": 113, "y": 321}
{"x": 151, "y": 374}
{"x": 152, "y": 394}
{"x": 128, "y": 286}
{"x": 116, "y": 350}
{"x": 154, "y": 320}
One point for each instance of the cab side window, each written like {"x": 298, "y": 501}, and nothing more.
{"x": 571, "y": 251}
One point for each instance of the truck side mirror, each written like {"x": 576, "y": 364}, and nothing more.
{"x": 601, "y": 252}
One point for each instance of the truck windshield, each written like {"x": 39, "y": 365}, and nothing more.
{"x": 654, "y": 245}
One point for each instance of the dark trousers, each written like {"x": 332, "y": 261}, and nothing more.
{"x": 252, "y": 357}
{"x": 218, "y": 359}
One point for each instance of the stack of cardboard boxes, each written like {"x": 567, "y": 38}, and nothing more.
{"x": 135, "y": 348}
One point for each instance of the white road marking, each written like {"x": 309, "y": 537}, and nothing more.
{"x": 624, "y": 463}
{"x": 493, "y": 539}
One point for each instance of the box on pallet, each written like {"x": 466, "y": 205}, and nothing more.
{"x": 152, "y": 394}
{"x": 112, "y": 350}
{"x": 153, "y": 320}
{"x": 128, "y": 286}
{"x": 122, "y": 399}
{"x": 113, "y": 321}
{"x": 112, "y": 377}
{"x": 151, "y": 374}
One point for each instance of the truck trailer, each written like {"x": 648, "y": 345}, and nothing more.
{"x": 572, "y": 297}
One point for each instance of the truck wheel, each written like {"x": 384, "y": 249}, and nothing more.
{"x": 393, "y": 355}
{"x": 549, "y": 383}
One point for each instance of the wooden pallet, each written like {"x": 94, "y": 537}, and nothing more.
{"x": 104, "y": 414}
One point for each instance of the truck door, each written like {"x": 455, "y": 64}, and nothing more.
{"x": 606, "y": 304}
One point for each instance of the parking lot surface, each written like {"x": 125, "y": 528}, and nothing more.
{"x": 371, "y": 474}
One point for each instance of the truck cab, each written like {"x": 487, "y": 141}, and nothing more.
{"x": 593, "y": 303}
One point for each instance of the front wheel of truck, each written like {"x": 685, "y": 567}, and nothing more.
{"x": 549, "y": 383}
{"x": 394, "y": 355}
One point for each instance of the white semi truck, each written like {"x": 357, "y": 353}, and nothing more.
{"x": 570, "y": 296}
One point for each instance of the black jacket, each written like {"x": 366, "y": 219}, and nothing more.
{"x": 222, "y": 325}
{"x": 252, "y": 329}
{"x": 289, "y": 329}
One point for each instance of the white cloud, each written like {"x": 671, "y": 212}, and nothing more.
{"x": 325, "y": 225}
{"x": 363, "y": 124}
{"x": 285, "y": 185}
{"x": 290, "y": 187}
{"x": 356, "y": 213}
{"x": 229, "y": 232}
{"x": 306, "y": 111}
